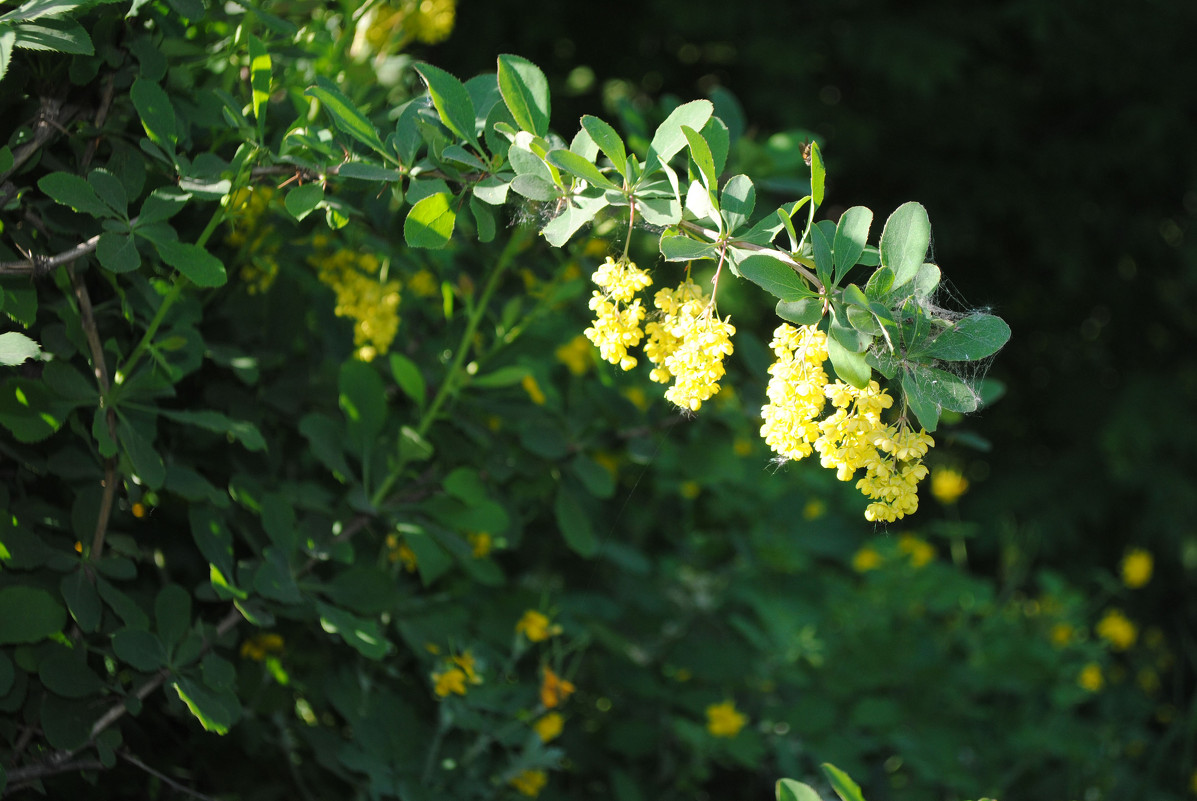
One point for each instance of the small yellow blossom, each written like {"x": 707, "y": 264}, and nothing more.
{"x": 535, "y": 626}
{"x": 866, "y": 559}
{"x": 1116, "y": 629}
{"x": 947, "y": 485}
{"x": 423, "y": 284}
{"x": 1090, "y": 677}
{"x": 690, "y": 490}
{"x": 576, "y": 355}
{"x": 1136, "y": 568}
{"x": 529, "y": 782}
{"x": 261, "y": 645}
{"x": 636, "y": 396}
{"x": 401, "y": 552}
{"x": 723, "y": 720}
{"x": 466, "y": 662}
{"x": 617, "y": 320}
{"x": 431, "y": 21}
{"x": 814, "y": 509}
{"x": 481, "y": 543}
{"x": 449, "y": 681}
{"x": 919, "y": 550}
{"x": 687, "y": 345}
{"x": 742, "y": 446}
{"x": 554, "y": 689}
{"x": 549, "y": 727}
{"x": 533, "y": 389}
{"x": 1061, "y": 634}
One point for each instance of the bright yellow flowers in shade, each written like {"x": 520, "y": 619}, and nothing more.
{"x": 1061, "y": 634}
{"x": 529, "y": 782}
{"x": 1091, "y": 678}
{"x": 947, "y": 485}
{"x": 723, "y": 720}
{"x": 259, "y": 646}
{"x": 1136, "y": 568}
{"x": 533, "y": 389}
{"x": 449, "y": 681}
{"x": 866, "y": 559}
{"x": 536, "y": 626}
{"x": 1116, "y": 629}
{"x": 481, "y": 543}
{"x": 554, "y": 689}
{"x": 549, "y": 727}
{"x": 918, "y": 550}
{"x": 576, "y": 355}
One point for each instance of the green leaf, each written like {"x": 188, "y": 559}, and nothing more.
{"x": 172, "y": 613}
{"x": 409, "y": 379}
{"x": 274, "y": 579}
{"x": 851, "y": 236}
{"x": 71, "y": 190}
{"x": 525, "y": 91}
{"x": 806, "y": 311}
{"x": 363, "y": 635}
{"x": 821, "y": 245}
{"x": 737, "y": 201}
{"x": 716, "y": 134}
{"x": 700, "y": 151}
{"x": 117, "y": 253}
{"x": 327, "y": 440}
{"x": 60, "y": 35}
{"x": 29, "y": 411}
{"x": 363, "y": 171}
{"x": 939, "y": 387}
{"x": 39, "y": 8}
{"x": 484, "y": 219}
{"x": 970, "y": 338}
{"x": 216, "y": 711}
{"x": 669, "y": 139}
{"x": 578, "y": 211}
{"x": 534, "y": 187}
{"x": 366, "y": 590}
{"x": 679, "y": 247}
{"x": 213, "y": 538}
{"x": 29, "y": 614}
{"x": 64, "y": 671}
{"x": 493, "y": 189}
{"x": 852, "y": 368}
{"x": 139, "y": 648}
{"x": 110, "y": 190}
{"x": 925, "y": 281}
{"x": 66, "y": 722}
{"x": 663, "y": 211}
{"x": 791, "y": 790}
{"x": 193, "y": 261}
{"x": 818, "y": 177}
{"x": 608, "y": 141}
{"x": 147, "y": 464}
{"x": 245, "y": 433}
{"x": 259, "y": 78}
{"x": 82, "y": 599}
{"x": 278, "y": 519}
{"x": 576, "y": 165}
{"x": 15, "y": 348}
{"x": 594, "y": 477}
{"x": 844, "y": 787}
{"x": 156, "y": 112}
{"x": 430, "y": 222}
{"x": 303, "y": 200}
{"x": 344, "y": 114}
{"x": 362, "y": 397}
{"x": 162, "y": 204}
{"x": 8, "y": 40}
{"x": 452, "y": 100}
{"x": 574, "y": 522}
{"x": 124, "y": 606}
{"x": 774, "y": 276}
{"x": 904, "y": 241}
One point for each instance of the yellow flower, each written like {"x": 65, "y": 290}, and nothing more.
{"x": 866, "y": 559}
{"x": 1136, "y": 568}
{"x": 723, "y": 720}
{"x": 529, "y": 782}
{"x": 1090, "y": 677}
{"x": 423, "y": 284}
{"x": 687, "y": 345}
{"x": 1116, "y": 629}
{"x": 554, "y": 689}
{"x": 535, "y": 626}
{"x": 261, "y": 645}
{"x": 533, "y": 389}
{"x": 690, "y": 490}
{"x": 452, "y": 680}
{"x": 742, "y": 446}
{"x": 920, "y": 551}
{"x": 480, "y": 543}
{"x": 814, "y": 509}
{"x": 636, "y": 396}
{"x": 576, "y": 355}
{"x": 1061, "y": 634}
{"x": 401, "y": 552}
{"x": 549, "y": 727}
{"x": 617, "y": 320}
{"x": 947, "y": 485}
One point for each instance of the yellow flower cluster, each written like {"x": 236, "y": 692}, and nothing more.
{"x": 1091, "y": 677}
{"x": 536, "y": 626}
{"x": 723, "y": 720}
{"x": 529, "y": 782}
{"x": 617, "y": 316}
{"x": 554, "y": 689}
{"x": 687, "y": 345}
{"x": 1136, "y": 568}
{"x": 372, "y": 304}
{"x": 245, "y": 209}
{"x": 851, "y": 437}
{"x": 427, "y": 21}
{"x": 453, "y": 676}
{"x": 1117, "y": 629}
{"x": 549, "y": 727}
{"x": 947, "y": 485}
{"x": 261, "y": 645}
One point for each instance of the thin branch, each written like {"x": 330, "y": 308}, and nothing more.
{"x": 58, "y": 762}
{"x": 53, "y": 115}
{"x": 40, "y": 266}
{"x": 132, "y": 760}
{"x": 780, "y": 255}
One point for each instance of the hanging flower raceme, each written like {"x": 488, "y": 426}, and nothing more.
{"x": 617, "y": 316}
{"x": 795, "y": 390}
{"x": 687, "y": 345}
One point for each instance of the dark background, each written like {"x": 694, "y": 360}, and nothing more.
{"x": 1052, "y": 146}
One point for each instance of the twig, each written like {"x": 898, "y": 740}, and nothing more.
{"x": 58, "y": 762}
{"x": 780, "y": 255}
{"x": 40, "y": 266}
{"x": 52, "y": 118}
{"x": 132, "y": 760}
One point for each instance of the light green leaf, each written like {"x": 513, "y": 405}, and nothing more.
{"x": 716, "y": 134}
{"x": 578, "y": 211}
{"x": 241, "y": 431}
{"x": 60, "y": 35}
{"x": 737, "y": 201}
{"x": 774, "y": 276}
{"x": 940, "y": 388}
{"x": 576, "y": 165}
{"x": 851, "y": 236}
{"x": 679, "y": 247}
{"x": 344, "y": 114}
{"x": 493, "y": 189}
{"x": 790, "y": 790}
{"x": 452, "y": 100}
{"x": 970, "y": 338}
{"x": 117, "y": 253}
{"x": 852, "y": 368}
{"x": 821, "y": 245}
{"x": 200, "y": 266}
{"x": 534, "y": 187}
{"x": 806, "y": 311}
{"x": 525, "y": 90}
{"x": 15, "y": 348}
{"x": 39, "y": 8}
{"x": 73, "y": 191}
{"x": 29, "y": 614}
{"x": 156, "y": 112}
{"x": 574, "y": 522}
{"x": 216, "y": 711}
{"x": 818, "y": 177}
{"x": 259, "y": 78}
{"x": 663, "y": 211}
{"x": 608, "y": 141}
{"x": 303, "y": 200}
{"x": 430, "y": 222}
{"x": 367, "y": 172}
{"x": 409, "y": 379}
{"x": 700, "y": 151}
{"x": 669, "y": 139}
{"x": 904, "y": 241}
{"x": 362, "y": 397}
{"x": 363, "y": 635}
{"x": 844, "y": 787}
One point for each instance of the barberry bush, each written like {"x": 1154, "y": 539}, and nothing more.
{"x": 332, "y": 466}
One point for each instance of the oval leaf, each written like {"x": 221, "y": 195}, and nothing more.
{"x": 851, "y": 236}
{"x": 974, "y": 337}
{"x": 430, "y": 222}
{"x": 452, "y": 100}
{"x": 525, "y": 90}
{"x": 774, "y": 276}
{"x": 904, "y": 241}
{"x": 29, "y": 614}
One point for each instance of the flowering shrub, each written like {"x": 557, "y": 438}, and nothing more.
{"x": 319, "y": 482}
